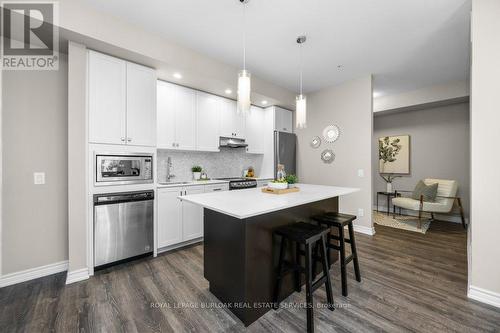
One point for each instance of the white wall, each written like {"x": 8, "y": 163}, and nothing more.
{"x": 484, "y": 279}
{"x": 34, "y": 136}
{"x": 348, "y": 106}
{"x": 77, "y": 139}
{"x": 450, "y": 92}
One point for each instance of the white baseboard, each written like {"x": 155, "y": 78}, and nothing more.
{"x": 33, "y": 273}
{"x": 364, "y": 230}
{"x": 484, "y": 296}
{"x": 77, "y": 275}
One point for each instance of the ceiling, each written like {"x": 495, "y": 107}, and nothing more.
{"x": 406, "y": 44}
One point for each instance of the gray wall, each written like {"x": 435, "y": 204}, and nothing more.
{"x": 439, "y": 147}
{"x": 349, "y": 106}
{"x": 34, "y": 135}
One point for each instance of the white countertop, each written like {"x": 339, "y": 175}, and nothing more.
{"x": 192, "y": 183}
{"x": 251, "y": 202}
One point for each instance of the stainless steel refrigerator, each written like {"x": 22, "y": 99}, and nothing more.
{"x": 285, "y": 146}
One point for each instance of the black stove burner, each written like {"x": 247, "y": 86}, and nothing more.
{"x": 240, "y": 183}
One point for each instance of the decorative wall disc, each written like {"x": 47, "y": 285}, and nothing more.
{"x": 327, "y": 156}
{"x": 331, "y": 133}
{"x": 315, "y": 142}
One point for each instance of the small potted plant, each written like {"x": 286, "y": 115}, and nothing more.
{"x": 291, "y": 180}
{"x": 389, "y": 178}
{"x": 196, "y": 172}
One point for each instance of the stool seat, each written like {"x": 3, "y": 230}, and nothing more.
{"x": 302, "y": 232}
{"x": 306, "y": 235}
{"x": 334, "y": 218}
{"x": 339, "y": 221}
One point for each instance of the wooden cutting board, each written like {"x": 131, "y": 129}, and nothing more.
{"x": 280, "y": 191}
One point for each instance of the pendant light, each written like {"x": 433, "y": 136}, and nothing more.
{"x": 300, "y": 100}
{"x": 244, "y": 84}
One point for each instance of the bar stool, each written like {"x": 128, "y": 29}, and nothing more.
{"x": 308, "y": 235}
{"x": 339, "y": 221}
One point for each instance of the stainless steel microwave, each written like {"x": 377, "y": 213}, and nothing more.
{"x": 122, "y": 169}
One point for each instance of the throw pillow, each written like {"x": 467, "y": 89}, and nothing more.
{"x": 429, "y": 192}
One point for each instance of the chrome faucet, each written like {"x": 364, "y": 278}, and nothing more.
{"x": 170, "y": 175}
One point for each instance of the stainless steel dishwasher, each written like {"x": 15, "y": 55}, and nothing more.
{"x": 123, "y": 226}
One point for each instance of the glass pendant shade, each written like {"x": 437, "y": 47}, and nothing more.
{"x": 244, "y": 88}
{"x": 300, "y": 111}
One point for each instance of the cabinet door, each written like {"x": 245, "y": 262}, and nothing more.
{"x": 207, "y": 122}
{"x": 216, "y": 188}
{"x": 107, "y": 99}
{"x": 255, "y": 130}
{"x": 185, "y": 118}
{"x": 141, "y": 105}
{"x": 165, "y": 115}
{"x": 239, "y": 125}
{"x": 192, "y": 216}
{"x": 169, "y": 217}
{"x": 227, "y": 118}
{"x": 283, "y": 120}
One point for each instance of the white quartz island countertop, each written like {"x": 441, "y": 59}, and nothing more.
{"x": 246, "y": 203}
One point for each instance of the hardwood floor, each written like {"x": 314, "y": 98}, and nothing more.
{"x": 410, "y": 282}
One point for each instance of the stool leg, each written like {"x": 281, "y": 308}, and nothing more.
{"x": 309, "y": 297}
{"x": 328, "y": 283}
{"x": 315, "y": 260}
{"x": 278, "y": 276}
{"x": 328, "y": 248}
{"x": 343, "y": 275}
{"x": 298, "y": 281}
{"x": 354, "y": 253}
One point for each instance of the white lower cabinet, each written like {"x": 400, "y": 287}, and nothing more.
{"x": 169, "y": 217}
{"x": 192, "y": 216}
{"x": 181, "y": 221}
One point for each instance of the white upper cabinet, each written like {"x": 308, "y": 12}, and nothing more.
{"x": 176, "y": 117}
{"x": 255, "y": 130}
{"x": 283, "y": 120}
{"x": 232, "y": 125}
{"x": 122, "y": 103}
{"x": 207, "y": 121}
{"x": 185, "y": 118}
{"x": 165, "y": 115}
{"x": 141, "y": 105}
{"x": 107, "y": 99}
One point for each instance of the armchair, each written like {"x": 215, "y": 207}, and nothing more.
{"x": 446, "y": 197}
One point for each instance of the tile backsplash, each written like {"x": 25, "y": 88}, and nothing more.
{"x": 229, "y": 162}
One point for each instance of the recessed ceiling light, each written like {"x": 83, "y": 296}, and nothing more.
{"x": 339, "y": 67}
{"x": 178, "y": 75}
{"x": 228, "y": 91}
{"x": 264, "y": 102}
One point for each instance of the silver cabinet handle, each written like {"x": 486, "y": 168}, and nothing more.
{"x": 123, "y": 139}
{"x": 129, "y": 139}
{"x": 173, "y": 144}
{"x": 284, "y": 129}
{"x": 217, "y": 189}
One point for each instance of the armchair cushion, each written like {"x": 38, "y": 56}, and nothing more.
{"x": 428, "y": 192}
{"x": 412, "y": 204}
{"x": 446, "y": 191}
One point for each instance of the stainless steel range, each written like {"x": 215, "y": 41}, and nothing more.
{"x": 240, "y": 183}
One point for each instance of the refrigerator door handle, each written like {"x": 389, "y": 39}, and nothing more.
{"x": 276, "y": 153}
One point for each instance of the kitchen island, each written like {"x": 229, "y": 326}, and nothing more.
{"x": 240, "y": 253}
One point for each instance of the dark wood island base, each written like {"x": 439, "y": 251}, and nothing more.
{"x": 241, "y": 256}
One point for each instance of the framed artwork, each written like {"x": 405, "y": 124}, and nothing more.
{"x": 394, "y": 154}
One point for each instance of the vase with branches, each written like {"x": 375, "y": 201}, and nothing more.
{"x": 388, "y": 150}
{"x": 389, "y": 178}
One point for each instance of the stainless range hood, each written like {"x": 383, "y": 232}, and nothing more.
{"x": 232, "y": 142}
